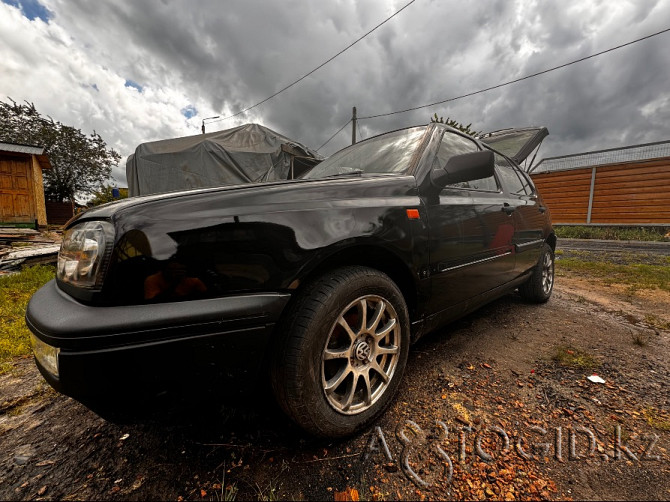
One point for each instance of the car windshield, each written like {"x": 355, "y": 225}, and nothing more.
{"x": 388, "y": 153}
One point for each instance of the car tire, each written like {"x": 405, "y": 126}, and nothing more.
{"x": 539, "y": 286}
{"x": 341, "y": 351}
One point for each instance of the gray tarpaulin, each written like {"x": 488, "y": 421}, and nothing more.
{"x": 246, "y": 154}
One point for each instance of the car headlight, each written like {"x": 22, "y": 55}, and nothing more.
{"x": 45, "y": 354}
{"x": 84, "y": 249}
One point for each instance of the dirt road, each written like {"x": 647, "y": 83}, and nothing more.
{"x": 496, "y": 406}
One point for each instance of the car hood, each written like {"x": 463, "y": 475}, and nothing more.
{"x": 270, "y": 196}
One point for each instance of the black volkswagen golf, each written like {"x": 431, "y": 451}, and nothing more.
{"x": 319, "y": 284}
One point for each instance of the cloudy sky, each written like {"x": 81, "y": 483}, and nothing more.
{"x": 142, "y": 71}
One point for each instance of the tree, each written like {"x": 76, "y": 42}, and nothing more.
{"x": 105, "y": 194}
{"x": 80, "y": 164}
{"x": 456, "y": 125}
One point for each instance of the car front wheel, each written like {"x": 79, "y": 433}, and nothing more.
{"x": 342, "y": 352}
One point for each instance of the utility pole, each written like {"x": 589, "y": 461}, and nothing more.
{"x": 207, "y": 118}
{"x": 353, "y": 127}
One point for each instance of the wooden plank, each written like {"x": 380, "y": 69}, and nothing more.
{"x": 565, "y": 186}
{"x": 640, "y": 171}
{"x": 652, "y": 180}
{"x": 14, "y": 259}
{"x": 631, "y": 221}
{"x": 660, "y": 184}
{"x": 557, "y": 214}
{"x": 564, "y": 176}
{"x": 572, "y": 192}
{"x": 633, "y": 198}
{"x": 621, "y": 211}
{"x": 568, "y": 219}
{"x": 658, "y": 205}
{"x": 33, "y": 251}
{"x": 629, "y": 190}
{"x": 567, "y": 206}
{"x": 562, "y": 181}
{"x": 568, "y": 210}
{"x": 621, "y": 194}
{"x": 570, "y": 189}
{"x": 566, "y": 201}
{"x": 557, "y": 194}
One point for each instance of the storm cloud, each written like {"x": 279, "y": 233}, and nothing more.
{"x": 139, "y": 71}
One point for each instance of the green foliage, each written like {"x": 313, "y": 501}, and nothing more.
{"x": 104, "y": 195}
{"x": 80, "y": 163}
{"x": 637, "y": 275}
{"x": 15, "y": 291}
{"x": 456, "y": 125}
{"x": 573, "y": 357}
{"x": 655, "y": 419}
{"x": 613, "y": 233}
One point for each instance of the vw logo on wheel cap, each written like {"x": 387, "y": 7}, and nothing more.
{"x": 363, "y": 351}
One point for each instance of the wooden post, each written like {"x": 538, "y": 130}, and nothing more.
{"x": 592, "y": 189}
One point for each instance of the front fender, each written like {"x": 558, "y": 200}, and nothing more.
{"x": 199, "y": 248}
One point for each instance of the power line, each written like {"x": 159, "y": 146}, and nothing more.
{"x": 338, "y": 131}
{"x": 318, "y": 67}
{"x": 515, "y": 80}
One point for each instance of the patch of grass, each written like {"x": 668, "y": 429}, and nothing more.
{"x": 613, "y": 233}
{"x": 654, "y": 321}
{"x": 230, "y": 492}
{"x": 15, "y": 291}
{"x": 637, "y": 275}
{"x": 575, "y": 358}
{"x": 640, "y": 339}
{"x": 654, "y": 419}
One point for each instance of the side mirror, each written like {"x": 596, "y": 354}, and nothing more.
{"x": 465, "y": 167}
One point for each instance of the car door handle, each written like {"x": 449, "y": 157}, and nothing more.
{"x": 508, "y": 209}
{"x": 542, "y": 209}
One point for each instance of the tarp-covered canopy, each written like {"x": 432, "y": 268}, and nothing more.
{"x": 246, "y": 154}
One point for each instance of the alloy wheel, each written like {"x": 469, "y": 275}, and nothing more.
{"x": 361, "y": 354}
{"x": 547, "y": 273}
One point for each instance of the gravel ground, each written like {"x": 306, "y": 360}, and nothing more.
{"x": 487, "y": 410}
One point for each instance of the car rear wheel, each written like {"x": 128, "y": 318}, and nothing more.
{"x": 539, "y": 286}
{"x": 342, "y": 351}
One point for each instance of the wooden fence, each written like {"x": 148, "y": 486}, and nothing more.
{"x": 632, "y": 193}
{"x": 58, "y": 213}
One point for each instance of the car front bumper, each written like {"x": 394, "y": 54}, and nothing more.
{"x": 125, "y": 352}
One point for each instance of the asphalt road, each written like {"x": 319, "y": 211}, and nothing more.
{"x": 601, "y": 245}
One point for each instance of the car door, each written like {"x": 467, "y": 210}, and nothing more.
{"x": 470, "y": 239}
{"x": 527, "y": 211}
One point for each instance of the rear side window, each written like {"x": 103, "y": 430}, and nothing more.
{"x": 511, "y": 177}
{"x": 454, "y": 144}
{"x": 527, "y": 182}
